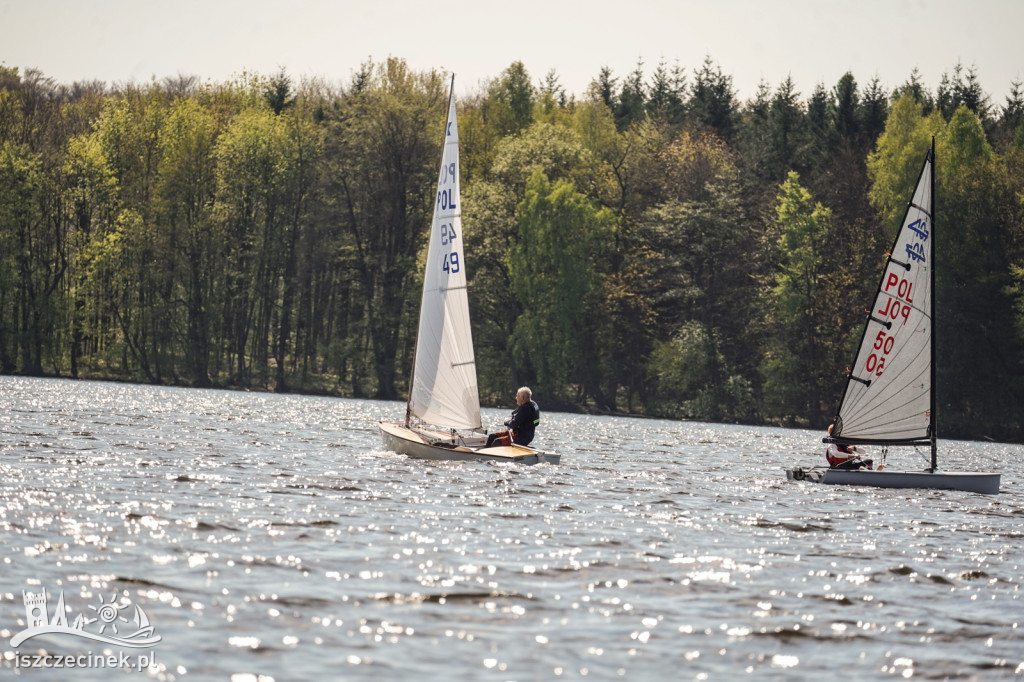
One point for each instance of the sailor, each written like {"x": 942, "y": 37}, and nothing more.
{"x": 521, "y": 426}
{"x": 843, "y": 456}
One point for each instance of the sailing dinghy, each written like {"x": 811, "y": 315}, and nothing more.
{"x": 890, "y": 392}
{"x": 443, "y": 394}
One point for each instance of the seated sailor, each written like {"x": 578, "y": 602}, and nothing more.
{"x": 521, "y": 427}
{"x": 844, "y": 456}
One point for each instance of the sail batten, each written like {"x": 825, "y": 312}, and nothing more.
{"x": 444, "y": 384}
{"x": 888, "y": 396}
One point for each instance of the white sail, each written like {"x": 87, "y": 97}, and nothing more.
{"x": 888, "y": 396}
{"x": 444, "y": 387}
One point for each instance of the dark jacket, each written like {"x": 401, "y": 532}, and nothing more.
{"x": 523, "y": 422}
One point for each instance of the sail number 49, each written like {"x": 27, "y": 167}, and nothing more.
{"x": 451, "y": 260}
{"x": 448, "y": 233}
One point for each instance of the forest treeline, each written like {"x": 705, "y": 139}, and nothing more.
{"x": 654, "y": 246}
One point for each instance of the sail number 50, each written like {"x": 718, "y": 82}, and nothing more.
{"x": 876, "y": 362}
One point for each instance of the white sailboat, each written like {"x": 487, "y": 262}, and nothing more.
{"x": 443, "y": 394}
{"x": 890, "y": 392}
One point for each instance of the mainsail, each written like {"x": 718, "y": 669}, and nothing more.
{"x": 889, "y": 392}
{"x": 444, "y": 386}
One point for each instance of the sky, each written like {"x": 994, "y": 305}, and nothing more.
{"x": 752, "y": 41}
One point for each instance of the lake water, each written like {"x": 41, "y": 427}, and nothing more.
{"x": 269, "y": 537}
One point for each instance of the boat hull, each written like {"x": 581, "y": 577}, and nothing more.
{"x": 425, "y": 444}
{"x": 970, "y": 481}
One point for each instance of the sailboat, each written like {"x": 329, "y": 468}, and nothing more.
{"x": 444, "y": 401}
{"x": 889, "y": 398}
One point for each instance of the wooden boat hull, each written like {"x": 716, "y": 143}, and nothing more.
{"x": 426, "y": 444}
{"x": 970, "y": 481}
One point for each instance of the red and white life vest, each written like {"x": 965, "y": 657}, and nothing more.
{"x": 836, "y": 454}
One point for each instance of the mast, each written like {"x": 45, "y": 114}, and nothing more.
{"x": 935, "y": 250}
{"x": 412, "y": 372}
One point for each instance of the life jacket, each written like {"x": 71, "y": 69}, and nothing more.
{"x": 524, "y": 430}
{"x": 842, "y": 454}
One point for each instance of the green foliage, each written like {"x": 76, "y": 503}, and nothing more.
{"x": 387, "y": 146}
{"x": 713, "y": 103}
{"x": 511, "y": 100}
{"x": 896, "y": 162}
{"x": 184, "y": 208}
{"x": 962, "y": 89}
{"x": 20, "y": 180}
{"x": 630, "y": 109}
{"x": 278, "y": 93}
{"x": 974, "y": 308}
{"x": 646, "y": 248}
{"x": 554, "y": 272}
{"x": 667, "y": 100}
{"x": 491, "y": 222}
{"x": 695, "y": 381}
{"x": 1016, "y": 292}
{"x": 796, "y": 307}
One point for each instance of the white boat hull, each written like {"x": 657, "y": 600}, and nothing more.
{"x": 437, "y": 445}
{"x": 970, "y": 481}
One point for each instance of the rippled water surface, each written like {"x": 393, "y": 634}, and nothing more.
{"x": 271, "y": 537}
